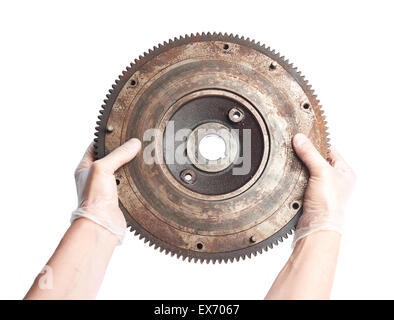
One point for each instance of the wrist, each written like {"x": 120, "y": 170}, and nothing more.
{"x": 321, "y": 240}
{"x": 95, "y": 230}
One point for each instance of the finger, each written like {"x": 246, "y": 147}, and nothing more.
{"x": 121, "y": 155}
{"x": 337, "y": 160}
{"x": 308, "y": 154}
{"x": 87, "y": 158}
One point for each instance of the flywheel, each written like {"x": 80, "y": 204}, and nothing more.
{"x": 249, "y": 197}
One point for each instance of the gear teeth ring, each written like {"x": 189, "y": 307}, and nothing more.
{"x": 280, "y": 60}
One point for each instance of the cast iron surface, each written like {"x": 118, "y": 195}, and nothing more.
{"x": 247, "y": 216}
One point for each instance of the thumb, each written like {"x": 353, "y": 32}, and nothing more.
{"x": 121, "y": 155}
{"x": 308, "y": 154}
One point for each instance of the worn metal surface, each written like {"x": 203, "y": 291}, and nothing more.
{"x": 170, "y": 214}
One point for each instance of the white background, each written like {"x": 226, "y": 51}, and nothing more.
{"x": 57, "y": 62}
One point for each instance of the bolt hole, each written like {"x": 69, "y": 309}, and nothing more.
{"x": 117, "y": 182}
{"x": 188, "y": 176}
{"x": 226, "y": 46}
{"x": 199, "y": 246}
{"x": 306, "y": 106}
{"x": 272, "y": 66}
{"x": 236, "y": 115}
{"x": 133, "y": 83}
{"x": 295, "y": 205}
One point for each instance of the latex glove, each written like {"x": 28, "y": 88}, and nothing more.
{"x": 96, "y": 187}
{"x": 329, "y": 187}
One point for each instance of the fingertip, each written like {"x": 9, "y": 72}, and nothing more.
{"x": 308, "y": 153}
{"x": 134, "y": 145}
{"x": 299, "y": 140}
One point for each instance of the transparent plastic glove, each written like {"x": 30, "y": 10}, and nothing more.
{"x": 329, "y": 187}
{"x": 96, "y": 187}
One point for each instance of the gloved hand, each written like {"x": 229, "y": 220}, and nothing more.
{"x": 329, "y": 186}
{"x": 96, "y": 187}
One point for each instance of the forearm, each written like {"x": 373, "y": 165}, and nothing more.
{"x": 78, "y": 265}
{"x": 310, "y": 270}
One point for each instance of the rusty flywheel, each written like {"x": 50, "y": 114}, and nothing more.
{"x": 218, "y": 84}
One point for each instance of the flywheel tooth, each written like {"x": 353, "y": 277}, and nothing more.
{"x": 258, "y": 43}
{"x": 266, "y": 249}
{"x": 95, "y": 140}
{"x": 96, "y": 134}
{"x": 98, "y": 123}
{"x": 226, "y": 34}
{"x": 161, "y": 249}
{"x": 286, "y": 235}
{"x": 141, "y": 236}
{"x": 209, "y": 34}
{"x": 101, "y": 111}
{"x": 146, "y": 240}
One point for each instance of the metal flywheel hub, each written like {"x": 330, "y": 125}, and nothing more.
{"x": 199, "y": 86}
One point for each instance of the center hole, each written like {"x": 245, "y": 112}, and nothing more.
{"x": 212, "y": 147}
